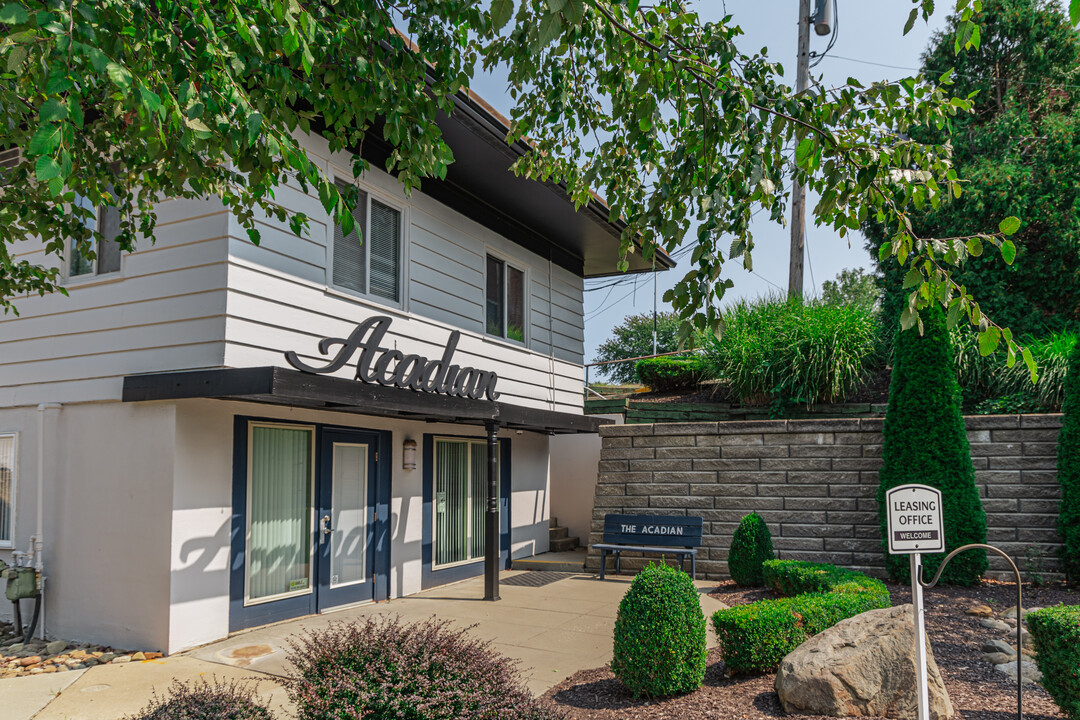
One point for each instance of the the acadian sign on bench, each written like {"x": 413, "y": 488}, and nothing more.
{"x": 677, "y": 535}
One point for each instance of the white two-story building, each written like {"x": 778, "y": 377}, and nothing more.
{"x": 209, "y": 435}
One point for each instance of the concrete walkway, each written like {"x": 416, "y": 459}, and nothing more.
{"x": 553, "y": 630}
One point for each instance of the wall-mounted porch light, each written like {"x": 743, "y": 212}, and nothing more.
{"x": 408, "y": 455}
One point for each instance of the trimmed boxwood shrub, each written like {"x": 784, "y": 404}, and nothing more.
{"x": 660, "y": 634}
{"x": 664, "y": 374}
{"x": 383, "y": 669}
{"x": 925, "y": 442}
{"x": 1056, "y": 632}
{"x": 750, "y": 547}
{"x": 203, "y": 701}
{"x": 754, "y": 638}
{"x": 1068, "y": 471}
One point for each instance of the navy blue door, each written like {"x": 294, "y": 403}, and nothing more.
{"x": 346, "y": 520}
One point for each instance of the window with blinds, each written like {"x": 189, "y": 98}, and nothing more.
{"x": 368, "y": 260}
{"x": 460, "y": 501}
{"x": 7, "y": 490}
{"x": 505, "y": 300}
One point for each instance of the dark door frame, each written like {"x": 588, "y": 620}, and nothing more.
{"x": 241, "y": 616}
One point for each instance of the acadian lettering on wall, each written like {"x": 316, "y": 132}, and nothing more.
{"x": 386, "y": 366}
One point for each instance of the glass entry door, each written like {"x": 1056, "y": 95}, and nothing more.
{"x": 345, "y": 530}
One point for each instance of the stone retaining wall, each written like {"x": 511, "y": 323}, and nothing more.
{"x": 814, "y": 482}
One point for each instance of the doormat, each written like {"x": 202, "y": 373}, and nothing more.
{"x": 536, "y": 578}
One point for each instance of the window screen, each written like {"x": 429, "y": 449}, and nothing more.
{"x": 385, "y": 250}
{"x": 515, "y": 304}
{"x": 7, "y": 489}
{"x": 350, "y": 251}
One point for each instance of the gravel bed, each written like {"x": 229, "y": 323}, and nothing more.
{"x": 977, "y": 690}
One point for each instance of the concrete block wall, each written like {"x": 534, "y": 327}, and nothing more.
{"x": 814, "y": 482}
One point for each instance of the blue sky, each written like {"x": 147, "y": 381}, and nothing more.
{"x": 870, "y": 46}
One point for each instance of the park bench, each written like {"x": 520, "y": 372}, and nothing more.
{"x": 679, "y": 536}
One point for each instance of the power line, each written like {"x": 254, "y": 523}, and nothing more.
{"x": 956, "y": 74}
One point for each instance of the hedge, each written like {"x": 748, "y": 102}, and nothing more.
{"x": 664, "y": 374}
{"x": 1068, "y": 471}
{"x": 925, "y": 441}
{"x": 754, "y": 638}
{"x": 1056, "y": 632}
{"x": 751, "y": 546}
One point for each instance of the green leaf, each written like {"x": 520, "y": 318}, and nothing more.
{"x": 974, "y": 247}
{"x": 1030, "y": 362}
{"x": 150, "y": 100}
{"x": 1074, "y": 11}
{"x": 254, "y": 122}
{"x": 119, "y": 75}
{"x": 1008, "y": 252}
{"x": 913, "y": 277}
{"x": 911, "y": 20}
{"x": 46, "y": 140}
{"x": 501, "y": 11}
{"x": 804, "y": 150}
{"x": 53, "y": 110}
{"x": 1009, "y": 225}
{"x": 955, "y": 311}
{"x": 13, "y": 14}
{"x": 291, "y": 42}
{"x": 632, "y": 5}
{"x": 47, "y": 168}
{"x": 884, "y": 251}
{"x": 550, "y": 27}
{"x": 988, "y": 341}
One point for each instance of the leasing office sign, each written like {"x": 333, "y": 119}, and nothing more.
{"x": 386, "y": 366}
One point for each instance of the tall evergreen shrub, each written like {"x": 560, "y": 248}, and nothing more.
{"x": 751, "y": 546}
{"x": 1068, "y": 467}
{"x": 926, "y": 442}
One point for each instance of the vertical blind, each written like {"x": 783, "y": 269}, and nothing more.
{"x": 461, "y": 469}
{"x": 7, "y": 487}
{"x": 279, "y": 515}
{"x": 385, "y": 242}
{"x": 495, "y": 270}
{"x": 515, "y": 304}
{"x": 350, "y": 251}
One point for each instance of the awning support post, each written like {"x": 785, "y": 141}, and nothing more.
{"x": 491, "y": 547}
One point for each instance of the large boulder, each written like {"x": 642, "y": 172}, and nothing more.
{"x": 862, "y": 666}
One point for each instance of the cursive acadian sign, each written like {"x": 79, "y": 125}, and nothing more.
{"x": 392, "y": 367}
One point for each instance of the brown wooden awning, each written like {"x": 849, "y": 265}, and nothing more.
{"x": 282, "y": 386}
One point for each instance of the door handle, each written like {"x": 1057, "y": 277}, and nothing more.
{"x": 324, "y": 528}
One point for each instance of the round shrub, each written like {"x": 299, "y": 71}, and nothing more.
{"x": 1056, "y": 633}
{"x": 660, "y": 634}
{"x": 203, "y": 701}
{"x": 382, "y": 669}
{"x": 1068, "y": 467}
{"x": 750, "y": 547}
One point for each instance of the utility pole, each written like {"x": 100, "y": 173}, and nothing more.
{"x": 798, "y": 192}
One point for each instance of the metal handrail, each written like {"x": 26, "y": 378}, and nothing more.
{"x": 1019, "y": 612}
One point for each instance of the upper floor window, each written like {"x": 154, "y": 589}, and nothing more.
{"x": 7, "y": 490}
{"x": 106, "y": 220}
{"x": 505, "y": 300}
{"x": 368, "y": 259}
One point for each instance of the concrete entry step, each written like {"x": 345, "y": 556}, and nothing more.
{"x": 558, "y": 533}
{"x": 565, "y": 561}
{"x": 563, "y": 544}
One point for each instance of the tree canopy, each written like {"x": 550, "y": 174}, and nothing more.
{"x": 634, "y": 338}
{"x": 1019, "y": 154}
{"x": 126, "y": 102}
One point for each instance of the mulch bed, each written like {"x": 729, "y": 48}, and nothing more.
{"x": 977, "y": 690}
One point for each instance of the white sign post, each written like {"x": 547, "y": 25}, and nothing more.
{"x": 915, "y": 526}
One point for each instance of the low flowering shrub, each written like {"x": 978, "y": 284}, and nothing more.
{"x": 1056, "y": 632}
{"x": 204, "y": 701}
{"x": 664, "y": 374}
{"x": 660, "y": 634}
{"x": 750, "y": 547}
{"x": 754, "y": 638}
{"x": 379, "y": 668}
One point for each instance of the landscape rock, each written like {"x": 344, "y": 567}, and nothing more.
{"x": 32, "y": 660}
{"x": 992, "y": 646}
{"x": 56, "y": 647}
{"x": 16, "y": 647}
{"x": 1031, "y": 671}
{"x": 862, "y": 666}
{"x": 979, "y": 611}
{"x": 993, "y": 624}
{"x": 998, "y": 658}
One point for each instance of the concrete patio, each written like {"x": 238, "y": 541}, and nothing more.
{"x": 554, "y": 630}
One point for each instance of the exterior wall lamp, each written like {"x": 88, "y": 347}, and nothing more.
{"x": 408, "y": 454}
